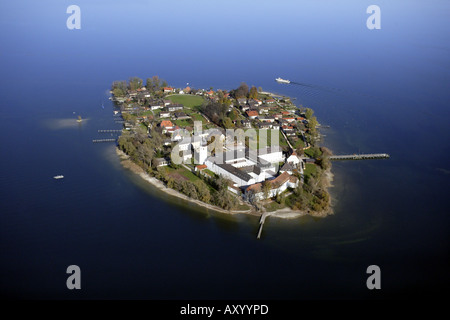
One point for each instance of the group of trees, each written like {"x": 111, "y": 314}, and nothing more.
{"x": 215, "y": 111}
{"x": 243, "y": 91}
{"x": 119, "y": 88}
{"x": 153, "y": 84}
{"x": 311, "y": 195}
{"x": 206, "y": 189}
{"x": 140, "y": 148}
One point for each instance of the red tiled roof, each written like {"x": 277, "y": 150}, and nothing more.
{"x": 252, "y": 113}
{"x": 201, "y": 166}
{"x": 166, "y": 123}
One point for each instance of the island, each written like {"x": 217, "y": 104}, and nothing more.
{"x": 236, "y": 151}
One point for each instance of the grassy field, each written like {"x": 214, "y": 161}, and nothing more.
{"x": 184, "y": 123}
{"x": 273, "y": 206}
{"x": 188, "y": 100}
{"x": 191, "y": 177}
{"x": 310, "y": 169}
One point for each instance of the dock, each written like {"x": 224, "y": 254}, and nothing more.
{"x": 360, "y": 156}
{"x": 103, "y": 140}
{"x": 109, "y": 130}
{"x": 261, "y": 223}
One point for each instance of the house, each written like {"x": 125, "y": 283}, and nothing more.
{"x": 166, "y": 102}
{"x": 289, "y": 119}
{"x": 266, "y": 118}
{"x": 252, "y": 114}
{"x": 278, "y": 116}
{"x": 200, "y": 167}
{"x": 187, "y": 90}
{"x": 165, "y": 125}
{"x": 164, "y": 114}
{"x": 277, "y": 185}
{"x": 264, "y": 125}
{"x": 181, "y": 116}
{"x": 168, "y": 89}
{"x": 293, "y": 159}
{"x": 174, "y": 107}
{"x": 154, "y": 105}
{"x": 270, "y": 101}
{"x": 287, "y": 167}
{"x": 242, "y": 101}
{"x": 276, "y": 126}
{"x": 244, "y": 107}
{"x": 264, "y": 109}
{"x": 161, "y": 162}
{"x": 246, "y": 123}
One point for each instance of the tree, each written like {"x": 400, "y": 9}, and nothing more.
{"x": 119, "y": 88}
{"x": 266, "y": 187}
{"x": 202, "y": 191}
{"x": 164, "y": 84}
{"x": 233, "y": 115}
{"x": 309, "y": 113}
{"x": 227, "y": 123}
{"x": 253, "y": 94}
{"x": 260, "y": 89}
{"x": 135, "y": 83}
{"x": 312, "y": 124}
{"x": 241, "y": 92}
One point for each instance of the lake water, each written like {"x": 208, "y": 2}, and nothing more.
{"x": 380, "y": 91}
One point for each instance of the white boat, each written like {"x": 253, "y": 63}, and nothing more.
{"x": 58, "y": 177}
{"x": 282, "y": 80}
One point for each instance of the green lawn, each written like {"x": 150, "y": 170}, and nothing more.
{"x": 299, "y": 143}
{"x": 242, "y": 207}
{"x": 184, "y": 123}
{"x": 198, "y": 117}
{"x": 188, "y": 100}
{"x": 273, "y": 206}
{"x": 188, "y": 174}
{"x": 310, "y": 169}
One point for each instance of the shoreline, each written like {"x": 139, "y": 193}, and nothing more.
{"x": 285, "y": 213}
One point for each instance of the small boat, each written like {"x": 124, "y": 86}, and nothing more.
{"x": 282, "y": 80}
{"x": 79, "y": 119}
{"x": 60, "y": 176}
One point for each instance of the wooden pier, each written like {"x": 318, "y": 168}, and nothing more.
{"x": 109, "y": 130}
{"x": 360, "y": 156}
{"x": 261, "y": 223}
{"x": 103, "y": 140}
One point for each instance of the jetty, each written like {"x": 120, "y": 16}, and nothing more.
{"x": 261, "y": 223}
{"x": 109, "y": 130}
{"x": 103, "y": 140}
{"x": 360, "y": 156}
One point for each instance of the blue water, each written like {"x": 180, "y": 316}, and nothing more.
{"x": 379, "y": 91}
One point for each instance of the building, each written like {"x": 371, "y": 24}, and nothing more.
{"x": 277, "y": 185}
{"x": 161, "y": 162}
{"x": 174, "y": 107}
{"x": 252, "y": 114}
{"x": 168, "y": 89}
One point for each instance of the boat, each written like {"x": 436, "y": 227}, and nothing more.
{"x": 79, "y": 119}
{"x": 282, "y": 80}
{"x": 60, "y": 176}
